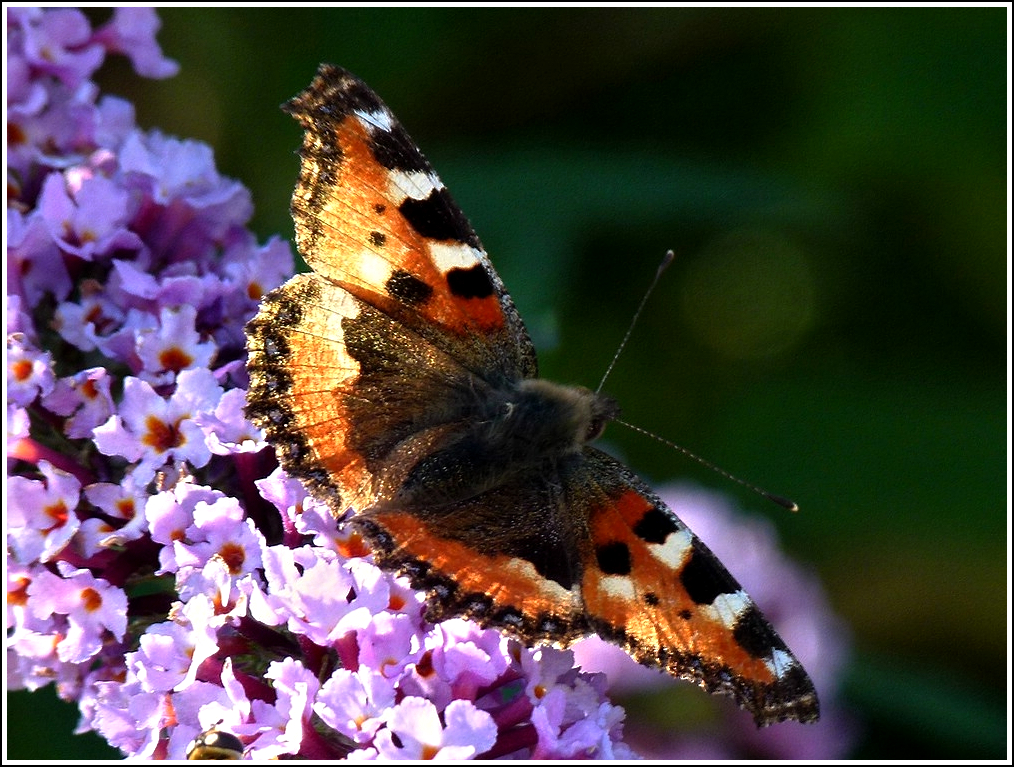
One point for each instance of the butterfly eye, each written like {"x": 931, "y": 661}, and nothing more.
{"x": 603, "y": 410}
{"x": 595, "y": 428}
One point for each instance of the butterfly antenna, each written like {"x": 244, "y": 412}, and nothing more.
{"x": 785, "y": 503}
{"x": 666, "y": 260}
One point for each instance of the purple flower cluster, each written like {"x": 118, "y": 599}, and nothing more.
{"x": 161, "y": 572}
{"x": 158, "y": 571}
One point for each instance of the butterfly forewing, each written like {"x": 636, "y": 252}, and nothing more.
{"x": 374, "y": 218}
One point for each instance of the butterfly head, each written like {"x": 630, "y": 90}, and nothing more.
{"x": 565, "y": 418}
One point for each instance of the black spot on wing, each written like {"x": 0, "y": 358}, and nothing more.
{"x": 614, "y": 558}
{"x": 755, "y": 635}
{"x": 395, "y": 150}
{"x": 651, "y": 599}
{"x": 473, "y": 282}
{"x": 439, "y": 218}
{"x": 704, "y": 579}
{"x": 407, "y": 288}
{"x": 548, "y": 557}
{"x": 655, "y": 526}
{"x": 378, "y": 239}
{"x": 805, "y": 708}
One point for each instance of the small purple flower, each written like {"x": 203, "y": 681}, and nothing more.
{"x": 31, "y": 639}
{"x": 228, "y": 430}
{"x": 35, "y": 265}
{"x": 149, "y": 297}
{"x": 296, "y": 687}
{"x": 415, "y": 731}
{"x": 172, "y": 346}
{"x": 40, "y": 517}
{"x": 125, "y": 715}
{"x": 153, "y": 430}
{"x": 171, "y": 513}
{"x": 355, "y": 703}
{"x": 132, "y": 32}
{"x": 189, "y": 206}
{"x": 53, "y": 119}
{"x": 588, "y": 736}
{"x": 90, "y": 606}
{"x": 459, "y": 660}
{"x": 316, "y": 595}
{"x": 88, "y": 219}
{"x": 91, "y": 322}
{"x": 220, "y": 533}
{"x": 230, "y": 710}
{"x": 58, "y": 44}
{"x": 29, "y": 371}
{"x": 85, "y": 397}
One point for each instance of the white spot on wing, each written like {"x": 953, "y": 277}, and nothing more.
{"x": 728, "y": 607}
{"x": 415, "y": 184}
{"x": 780, "y": 663}
{"x": 676, "y": 548}
{"x": 454, "y": 255}
{"x": 618, "y": 587}
{"x": 374, "y": 269}
{"x": 379, "y": 120}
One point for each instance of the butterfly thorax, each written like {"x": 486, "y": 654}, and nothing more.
{"x": 530, "y": 425}
{"x": 538, "y": 419}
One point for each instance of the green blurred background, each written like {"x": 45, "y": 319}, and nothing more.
{"x": 834, "y": 182}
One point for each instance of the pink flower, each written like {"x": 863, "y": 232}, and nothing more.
{"x": 172, "y": 346}
{"x": 90, "y": 605}
{"x": 86, "y": 398}
{"x": 153, "y": 430}
{"x": 415, "y": 731}
{"x": 88, "y": 219}
{"x": 41, "y": 515}
{"x": 132, "y": 32}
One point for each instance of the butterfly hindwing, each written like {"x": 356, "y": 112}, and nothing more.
{"x": 602, "y": 554}
{"x": 346, "y": 393}
{"x": 652, "y": 586}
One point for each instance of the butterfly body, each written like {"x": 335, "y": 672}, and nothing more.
{"x": 398, "y": 381}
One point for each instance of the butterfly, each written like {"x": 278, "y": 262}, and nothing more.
{"x": 397, "y": 379}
